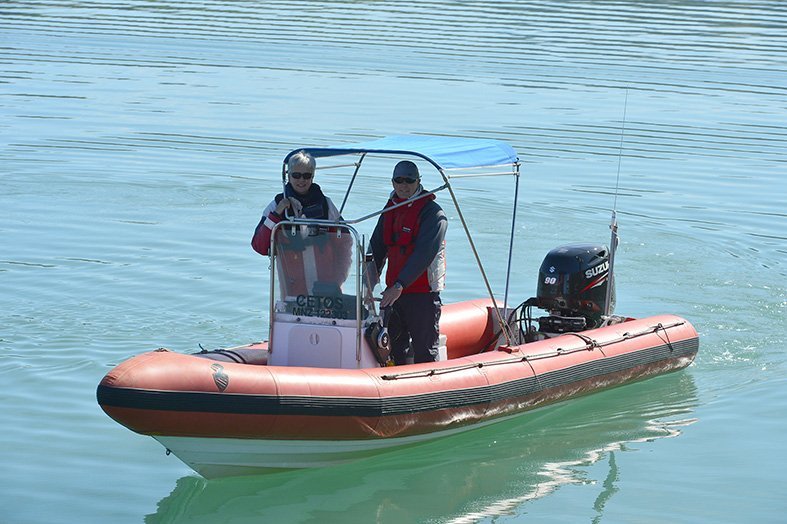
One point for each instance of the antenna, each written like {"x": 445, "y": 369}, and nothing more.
{"x": 613, "y": 225}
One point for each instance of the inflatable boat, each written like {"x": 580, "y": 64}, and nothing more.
{"x": 321, "y": 390}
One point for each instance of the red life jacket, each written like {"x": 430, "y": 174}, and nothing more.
{"x": 400, "y": 228}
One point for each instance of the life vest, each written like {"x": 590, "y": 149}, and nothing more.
{"x": 400, "y": 229}
{"x": 314, "y": 203}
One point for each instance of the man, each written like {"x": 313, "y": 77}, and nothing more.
{"x": 412, "y": 240}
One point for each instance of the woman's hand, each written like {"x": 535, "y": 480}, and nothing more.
{"x": 284, "y": 204}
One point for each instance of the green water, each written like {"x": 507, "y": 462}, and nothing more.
{"x": 141, "y": 141}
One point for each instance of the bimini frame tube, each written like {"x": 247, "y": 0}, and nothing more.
{"x": 511, "y": 241}
{"x": 501, "y": 321}
{"x": 352, "y": 181}
{"x": 447, "y": 185}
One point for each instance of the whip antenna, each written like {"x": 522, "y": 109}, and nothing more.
{"x": 613, "y": 225}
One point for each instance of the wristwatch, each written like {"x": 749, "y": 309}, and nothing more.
{"x": 398, "y": 285}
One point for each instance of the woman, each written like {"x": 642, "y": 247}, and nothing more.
{"x": 310, "y": 262}
{"x": 302, "y": 198}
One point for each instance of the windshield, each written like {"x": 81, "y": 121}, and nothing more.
{"x": 317, "y": 272}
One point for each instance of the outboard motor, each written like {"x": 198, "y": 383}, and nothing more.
{"x": 572, "y": 287}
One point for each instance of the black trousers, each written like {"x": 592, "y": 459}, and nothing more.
{"x": 416, "y": 317}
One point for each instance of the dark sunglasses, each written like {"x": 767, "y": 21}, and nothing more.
{"x": 298, "y": 176}
{"x": 403, "y": 180}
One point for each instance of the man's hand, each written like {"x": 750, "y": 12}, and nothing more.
{"x": 391, "y": 295}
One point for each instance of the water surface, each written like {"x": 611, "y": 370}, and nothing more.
{"x": 141, "y": 141}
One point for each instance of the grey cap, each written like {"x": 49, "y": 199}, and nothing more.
{"x": 406, "y": 169}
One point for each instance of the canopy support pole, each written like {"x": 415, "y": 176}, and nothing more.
{"x": 419, "y": 196}
{"x": 511, "y": 241}
{"x": 352, "y": 181}
{"x": 500, "y": 320}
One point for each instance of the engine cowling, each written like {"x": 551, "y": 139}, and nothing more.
{"x": 572, "y": 285}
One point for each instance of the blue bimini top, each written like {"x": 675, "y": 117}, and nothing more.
{"x": 442, "y": 152}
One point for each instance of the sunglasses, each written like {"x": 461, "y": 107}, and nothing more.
{"x": 403, "y": 180}
{"x": 298, "y": 176}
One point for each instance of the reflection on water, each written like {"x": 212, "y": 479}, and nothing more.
{"x": 493, "y": 471}
{"x": 609, "y": 489}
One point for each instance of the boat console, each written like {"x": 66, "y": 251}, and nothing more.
{"x": 322, "y": 293}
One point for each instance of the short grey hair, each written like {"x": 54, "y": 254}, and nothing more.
{"x": 301, "y": 158}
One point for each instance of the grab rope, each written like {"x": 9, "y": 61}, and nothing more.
{"x": 590, "y": 344}
{"x": 535, "y": 373}
{"x": 666, "y": 335}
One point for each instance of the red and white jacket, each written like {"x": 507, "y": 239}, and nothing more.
{"x": 304, "y": 260}
{"x": 261, "y": 241}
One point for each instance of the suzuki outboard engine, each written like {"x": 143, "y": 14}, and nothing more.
{"x": 572, "y": 287}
